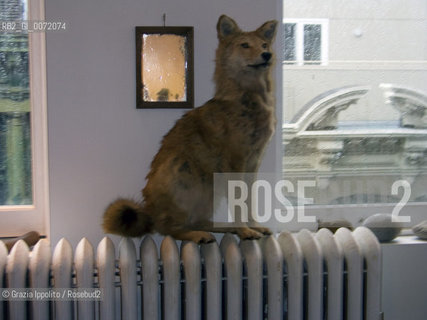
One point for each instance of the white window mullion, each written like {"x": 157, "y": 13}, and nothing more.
{"x": 299, "y": 47}
{"x": 325, "y": 43}
{"x": 38, "y": 82}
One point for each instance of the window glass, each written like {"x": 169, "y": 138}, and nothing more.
{"x": 312, "y": 43}
{"x": 305, "y": 41}
{"x": 356, "y": 125}
{"x": 15, "y": 127}
{"x": 290, "y": 42}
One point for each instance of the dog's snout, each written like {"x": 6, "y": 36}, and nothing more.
{"x": 266, "y": 56}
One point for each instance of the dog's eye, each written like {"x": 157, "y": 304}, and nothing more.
{"x": 264, "y": 46}
{"x": 245, "y": 45}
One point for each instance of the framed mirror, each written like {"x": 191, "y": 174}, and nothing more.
{"x": 164, "y": 67}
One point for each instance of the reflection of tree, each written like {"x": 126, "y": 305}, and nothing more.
{"x": 14, "y": 60}
{"x": 14, "y": 72}
{"x": 145, "y": 93}
{"x": 163, "y": 94}
{"x": 15, "y": 129}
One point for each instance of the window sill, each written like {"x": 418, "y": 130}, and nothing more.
{"x": 406, "y": 238}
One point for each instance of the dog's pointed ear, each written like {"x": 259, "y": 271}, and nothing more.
{"x": 268, "y": 30}
{"x": 226, "y": 27}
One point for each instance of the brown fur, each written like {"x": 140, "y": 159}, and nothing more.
{"x": 227, "y": 134}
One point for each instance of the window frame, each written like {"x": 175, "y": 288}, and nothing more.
{"x": 16, "y": 220}
{"x": 299, "y": 41}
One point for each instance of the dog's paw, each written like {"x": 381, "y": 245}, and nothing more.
{"x": 249, "y": 234}
{"x": 202, "y": 237}
{"x": 264, "y": 231}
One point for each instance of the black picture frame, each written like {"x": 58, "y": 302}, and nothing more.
{"x": 179, "y": 42}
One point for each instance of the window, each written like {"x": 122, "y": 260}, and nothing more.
{"x": 305, "y": 41}
{"x": 355, "y": 107}
{"x": 23, "y": 141}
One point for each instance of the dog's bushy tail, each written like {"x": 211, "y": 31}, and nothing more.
{"x": 127, "y": 218}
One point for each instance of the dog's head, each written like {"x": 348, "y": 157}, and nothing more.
{"x": 247, "y": 52}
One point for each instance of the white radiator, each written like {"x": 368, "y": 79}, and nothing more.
{"x": 293, "y": 276}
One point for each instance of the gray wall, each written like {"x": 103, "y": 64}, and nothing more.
{"x": 392, "y": 48}
{"x": 385, "y": 24}
{"x": 404, "y": 280}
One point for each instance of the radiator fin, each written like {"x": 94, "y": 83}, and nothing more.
{"x": 106, "y": 264}
{"x": 354, "y": 262}
{"x": 39, "y": 276}
{"x": 294, "y": 276}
